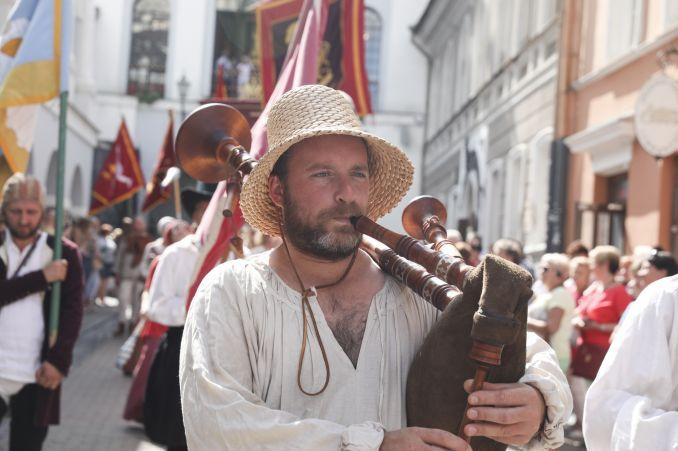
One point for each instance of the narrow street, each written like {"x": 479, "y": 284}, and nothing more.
{"x": 93, "y": 396}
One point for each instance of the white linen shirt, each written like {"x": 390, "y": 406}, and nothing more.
{"x": 239, "y": 355}
{"x": 171, "y": 282}
{"x": 22, "y": 326}
{"x": 633, "y": 402}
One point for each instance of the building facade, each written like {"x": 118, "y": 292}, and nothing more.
{"x": 129, "y": 57}
{"x": 492, "y": 71}
{"x": 619, "y": 193}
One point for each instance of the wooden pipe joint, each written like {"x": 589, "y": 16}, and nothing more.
{"x": 485, "y": 353}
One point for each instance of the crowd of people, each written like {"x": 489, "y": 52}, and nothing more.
{"x": 580, "y": 298}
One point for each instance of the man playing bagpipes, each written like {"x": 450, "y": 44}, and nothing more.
{"x": 308, "y": 346}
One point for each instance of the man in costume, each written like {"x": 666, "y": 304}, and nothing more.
{"x": 30, "y": 371}
{"x": 308, "y": 346}
{"x": 167, "y": 307}
{"x": 633, "y": 402}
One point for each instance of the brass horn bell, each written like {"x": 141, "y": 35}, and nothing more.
{"x": 211, "y": 143}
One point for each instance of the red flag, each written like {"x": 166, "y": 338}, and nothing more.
{"x": 301, "y": 68}
{"x": 155, "y": 193}
{"x": 120, "y": 176}
{"x": 341, "y": 58}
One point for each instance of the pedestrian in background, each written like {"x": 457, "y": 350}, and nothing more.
{"x": 660, "y": 264}
{"x": 106, "y": 245}
{"x": 31, "y": 371}
{"x": 549, "y": 315}
{"x": 599, "y": 310}
{"x": 580, "y": 277}
{"x": 128, "y": 274}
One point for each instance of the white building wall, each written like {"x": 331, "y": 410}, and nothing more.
{"x": 503, "y": 94}
{"x": 399, "y": 116}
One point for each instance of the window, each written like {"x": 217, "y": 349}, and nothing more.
{"x": 372, "y": 53}
{"x": 605, "y": 224}
{"x": 76, "y": 188}
{"x": 148, "y": 52}
{"x": 671, "y": 13}
{"x": 52, "y": 175}
{"x": 537, "y": 198}
{"x": 624, "y": 26}
{"x": 495, "y": 198}
{"x": 515, "y": 193}
{"x": 545, "y": 11}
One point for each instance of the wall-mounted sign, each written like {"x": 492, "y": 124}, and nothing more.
{"x": 656, "y": 116}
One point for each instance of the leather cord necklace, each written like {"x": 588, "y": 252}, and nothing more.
{"x": 305, "y": 305}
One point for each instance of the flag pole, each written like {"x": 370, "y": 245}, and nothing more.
{"x": 59, "y": 213}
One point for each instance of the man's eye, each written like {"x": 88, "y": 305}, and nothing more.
{"x": 321, "y": 174}
{"x": 360, "y": 174}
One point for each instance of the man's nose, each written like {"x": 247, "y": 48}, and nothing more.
{"x": 345, "y": 191}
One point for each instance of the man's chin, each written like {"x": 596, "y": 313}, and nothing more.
{"x": 23, "y": 234}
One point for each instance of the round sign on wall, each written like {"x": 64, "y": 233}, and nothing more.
{"x": 656, "y": 116}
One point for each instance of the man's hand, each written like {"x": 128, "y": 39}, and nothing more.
{"x": 507, "y": 413}
{"x": 55, "y": 271}
{"x": 416, "y": 439}
{"x": 48, "y": 376}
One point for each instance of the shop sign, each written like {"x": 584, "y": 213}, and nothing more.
{"x": 656, "y": 116}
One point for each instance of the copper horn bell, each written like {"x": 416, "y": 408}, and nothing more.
{"x": 211, "y": 146}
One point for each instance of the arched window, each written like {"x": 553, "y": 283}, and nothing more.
{"x": 494, "y": 200}
{"x": 515, "y": 192}
{"x": 76, "y": 188}
{"x": 461, "y": 90}
{"x": 372, "y": 39}
{"x": 52, "y": 175}
{"x": 148, "y": 52}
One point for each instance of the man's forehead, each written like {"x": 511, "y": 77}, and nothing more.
{"x": 24, "y": 204}
{"x": 330, "y": 147}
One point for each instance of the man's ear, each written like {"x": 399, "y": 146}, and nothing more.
{"x": 276, "y": 190}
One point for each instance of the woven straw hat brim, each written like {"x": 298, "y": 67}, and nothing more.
{"x": 391, "y": 173}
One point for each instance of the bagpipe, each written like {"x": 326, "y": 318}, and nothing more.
{"x": 481, "y": 331}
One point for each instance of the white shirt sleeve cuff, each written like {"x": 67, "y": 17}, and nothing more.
{"x": 365, "y": 436}
{"x": 552, "y": 435}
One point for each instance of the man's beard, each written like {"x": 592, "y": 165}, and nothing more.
{"x": 313, "y": 239}
{"x": 23, "y": 233}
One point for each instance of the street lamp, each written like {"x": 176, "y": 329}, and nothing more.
{"x": 183, "y": 85}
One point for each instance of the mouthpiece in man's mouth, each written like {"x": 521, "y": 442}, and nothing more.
{"x": 354, "y": 220}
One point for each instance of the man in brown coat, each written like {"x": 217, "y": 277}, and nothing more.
{"x": 30, "y": 371}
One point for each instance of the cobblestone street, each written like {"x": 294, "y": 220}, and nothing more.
{"x": 93, "y": 396}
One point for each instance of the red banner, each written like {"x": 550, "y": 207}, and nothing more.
{"x": 156, "y": 194}
{"x": 341, "y": 61}
{"x": 120, "y": 176}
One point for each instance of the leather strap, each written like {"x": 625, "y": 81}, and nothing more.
{"x": 306, "y": 305}
{"x": 26, "y": 257}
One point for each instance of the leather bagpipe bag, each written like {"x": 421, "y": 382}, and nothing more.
{"x": 435, "y": 395}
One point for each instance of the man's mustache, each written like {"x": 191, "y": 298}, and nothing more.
{"x": 342, "y": 211}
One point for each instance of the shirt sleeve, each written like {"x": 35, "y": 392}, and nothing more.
{"x": 629, "y": 405}
{"x": 167, "y": 295}
{"x": 543, "y": 372}
{"x": 219, "y": 407}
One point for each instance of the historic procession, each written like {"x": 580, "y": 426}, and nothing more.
{"x": 339, "y": 225}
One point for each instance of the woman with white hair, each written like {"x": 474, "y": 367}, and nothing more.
{"x": 550, "y": 314}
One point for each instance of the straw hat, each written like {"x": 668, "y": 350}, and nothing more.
{"x": 314, "y": 110}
